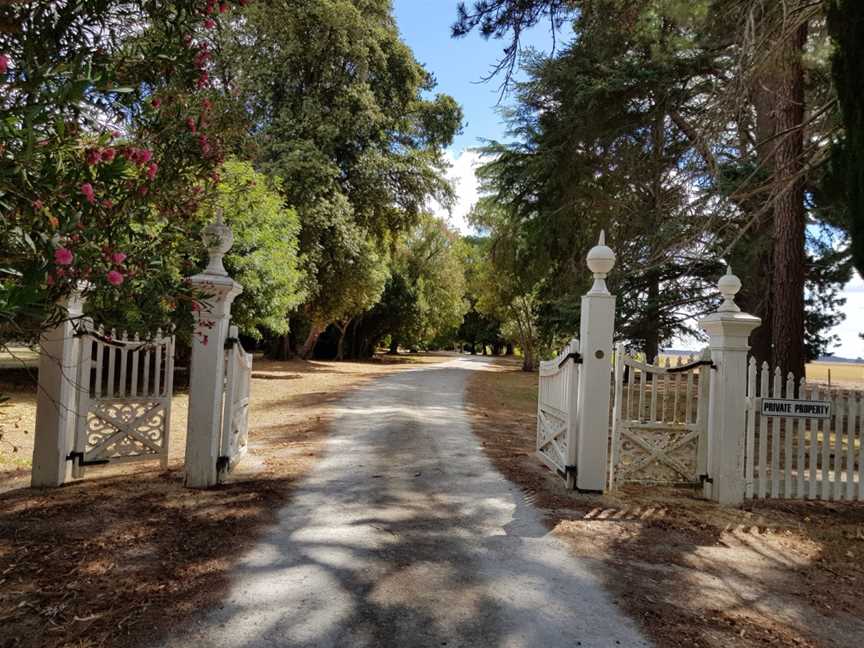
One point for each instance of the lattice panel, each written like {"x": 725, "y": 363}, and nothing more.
{"x": 124, "y": 429}
{"x": 658, "y": 456}
{"x": 552, "y": 438}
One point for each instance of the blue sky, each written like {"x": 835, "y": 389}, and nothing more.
{"x": 460, "y": 64}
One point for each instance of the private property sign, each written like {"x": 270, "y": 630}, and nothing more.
{"x": 796, "y": 408}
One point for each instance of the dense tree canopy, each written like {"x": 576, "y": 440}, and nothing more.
{"x": 694, "y": 132}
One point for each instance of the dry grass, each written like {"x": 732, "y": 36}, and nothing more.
{"x": 691, "y": 573}
{"x": 125, "y": 555}
{"x": 843, "y": 374}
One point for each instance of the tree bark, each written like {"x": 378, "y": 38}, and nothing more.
{"x": 787, "y": 317}
{"x": 309, "y": 345}
{"x": 340, "y": 345}
{"x": 394, "y": 346}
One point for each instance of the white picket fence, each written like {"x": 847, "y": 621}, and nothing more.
{"x": 556, "y": 403}
{"x": 803, "y": 455}
{"x": 124, "y": 399}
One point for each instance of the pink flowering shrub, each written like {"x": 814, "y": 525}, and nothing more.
{"x": 105, "y": 165}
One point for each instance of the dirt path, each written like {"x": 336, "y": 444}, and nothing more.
{"x": 405, "y": 535}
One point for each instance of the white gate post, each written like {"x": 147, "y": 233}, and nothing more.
{"x": 729, "y": 333}
{"x": 595, "y": 332}
{"x": 56, "y": 399}
{"x": 207, "y": 362}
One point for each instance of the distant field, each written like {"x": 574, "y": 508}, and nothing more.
{"x": 841, "y": 373}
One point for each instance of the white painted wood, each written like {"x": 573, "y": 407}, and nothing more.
{"x": 851, "y": 422}
{"x": 750, "y": 446}
{"x": 207, "y": 362}
{"x": 235, "y": 418}
{"x": 113, "y": 427}
{"x": 763, "y": 433}
{"x": 55, "y": 400}
{"x": 595, "y": 336}
{"x": 729, "y": 331}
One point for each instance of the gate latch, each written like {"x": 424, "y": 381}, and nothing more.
{"x": 575, "y": 357}
{"x": 78, "y": 457}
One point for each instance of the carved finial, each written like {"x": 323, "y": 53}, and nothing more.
{"x": 729, "y": 285}
{"x": 218, "y": 238}
{"x": 601, "y": 260}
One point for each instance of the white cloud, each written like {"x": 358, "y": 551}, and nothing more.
{"x": 851, "y": 346}
{"x": 465, "y": 184}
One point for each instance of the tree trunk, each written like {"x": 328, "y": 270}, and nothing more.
{"x": 309, "y": 345}
{"x": 509, "y": 350}
{"x": 787, "y": 317}
{"x": 340, "y": 345}
{"x": 394, "y": 346}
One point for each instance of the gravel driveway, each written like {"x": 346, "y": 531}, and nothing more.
{"x": 405, "y": 535}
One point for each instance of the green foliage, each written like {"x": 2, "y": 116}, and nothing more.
{"x": 846, "y": 23}
{"x": 342, "y": 113}
{"x": 100, "y": 173}
{"x": 264, "y": 257}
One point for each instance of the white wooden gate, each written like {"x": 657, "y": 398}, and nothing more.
{"x": 235, "y": 415}
{"x": 556, "y": 409}
{"x": 124, "y": 399}
{"x": 803, "y": 441}
{"x": 659, "y": 421}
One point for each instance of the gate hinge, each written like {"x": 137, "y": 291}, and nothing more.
{"x": 705, "y": 479}
{"x": 570, "y": 469}
{"x": 78, "y": 457}
{"x": 230, "y": 342}
{"x": 222, "y": 464}
{"x": 577, "y": 358}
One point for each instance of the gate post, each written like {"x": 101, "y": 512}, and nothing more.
{"x": 729, "y": 334}
{"x": 207, "y": 362}
{"x": 596, "y": 328}
{"x": 56, "y": 399}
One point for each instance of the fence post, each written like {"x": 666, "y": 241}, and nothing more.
{"x": 729, "y": 334}
{"x": 56, "y": 399}
{"x": 595, "y": 335}
{"x": 207, "y": 362}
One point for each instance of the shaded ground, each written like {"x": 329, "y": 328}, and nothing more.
{"x": 404, "y": 534}
{"x": 691, "y": 573}
{"x": 128, "y": 552}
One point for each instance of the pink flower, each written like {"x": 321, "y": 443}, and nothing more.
{"x": 114, "y": 278}
{"x": 190, "y": 123}
{"x": 88, "y": 193}
{"x": 142, "y": 190}
{"x": 63, "y": 256}
{"x": 108, "y": 155}
{"x": 93, "y": 157}
{"x": 4, "y": 64}
{"x": 144, "y": 156}
{"x": 202, "y": 80}
{"x": 107, "y": 203}
{"x": 38, "y": 205}
{"x": 118, "y": 257}
{"x": 151, "y": 170}
{"x": 209, "y": 23}
{"x": 223, "y": 7}
{"x": 156, "y": 102}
